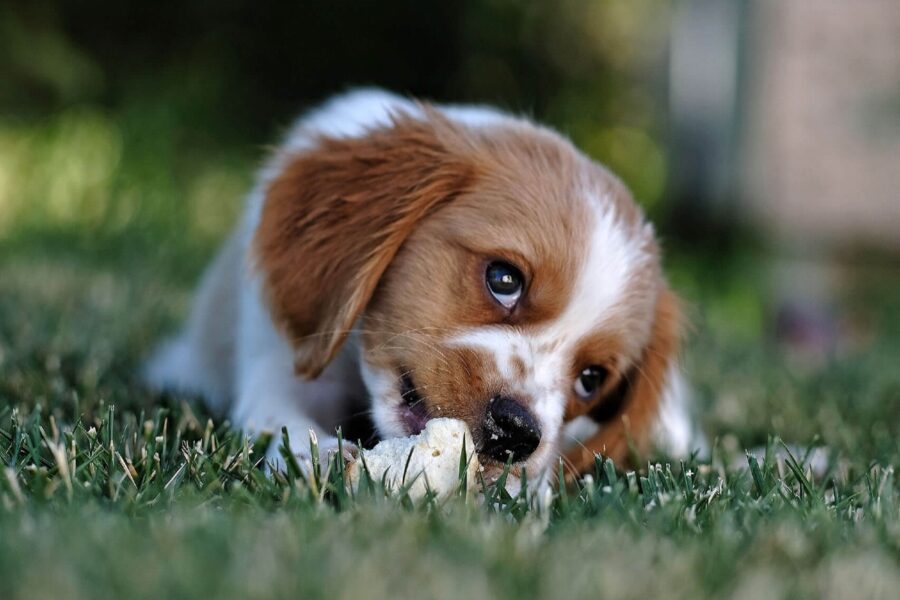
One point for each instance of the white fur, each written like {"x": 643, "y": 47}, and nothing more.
{"x": 382, "y": 385}
{"x": 256, "y": 383}
{"x": 676, "y": 430}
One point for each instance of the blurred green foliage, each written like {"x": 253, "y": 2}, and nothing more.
{"x": 127, "y": 118}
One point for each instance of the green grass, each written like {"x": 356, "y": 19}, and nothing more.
{"x": 108, "y": 491}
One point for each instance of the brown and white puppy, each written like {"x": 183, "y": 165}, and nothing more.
{"x": 418, "y": 261}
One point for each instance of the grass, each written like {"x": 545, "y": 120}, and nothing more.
{"x": 108, "y": 491}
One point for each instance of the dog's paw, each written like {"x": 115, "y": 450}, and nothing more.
{"x": 301, "y": 448}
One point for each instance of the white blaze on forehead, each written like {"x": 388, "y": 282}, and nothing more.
{"x": 605, "y": 295}
{"x": 614, "y": 258}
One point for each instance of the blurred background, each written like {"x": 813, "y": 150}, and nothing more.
{"x": 763, "y": 138}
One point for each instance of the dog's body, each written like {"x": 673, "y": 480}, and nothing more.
{"x": 476, "y": 266}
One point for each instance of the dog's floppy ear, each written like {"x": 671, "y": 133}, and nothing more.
{"x": 627, "y": 417}
{"x": 335, "y": 216}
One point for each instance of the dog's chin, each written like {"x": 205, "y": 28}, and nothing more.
{"x": 531, "y": 469}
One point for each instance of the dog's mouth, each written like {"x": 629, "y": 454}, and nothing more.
{"x": 413, "y": 411}
{"x": 414, "y": 414}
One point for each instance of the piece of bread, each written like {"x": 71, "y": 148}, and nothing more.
{"x": 434, "y": 464}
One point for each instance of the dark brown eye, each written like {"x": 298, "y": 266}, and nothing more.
{"x": 590, "y": 380}
{"x": 505, "y": 283}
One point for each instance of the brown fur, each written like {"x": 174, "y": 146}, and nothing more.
{"x": 397, "y": 227}
{"x": 334, "y": 219}
{"x": 435, "y": 288}
{"x": 602, "y": 349}
{"x": 631, "y": 430}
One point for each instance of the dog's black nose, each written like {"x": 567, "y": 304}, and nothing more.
{"x": 509, "y": 430}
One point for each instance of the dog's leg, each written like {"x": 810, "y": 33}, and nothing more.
{"x": 269, "y": 395}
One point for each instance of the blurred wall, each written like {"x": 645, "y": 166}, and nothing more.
{"x": 822, "y": 145}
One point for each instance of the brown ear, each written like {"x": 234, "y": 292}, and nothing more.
{"x": 628, "y": 430}
{"x": 336, "y": 215}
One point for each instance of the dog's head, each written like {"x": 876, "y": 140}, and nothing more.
{"x": 493, "y": 274}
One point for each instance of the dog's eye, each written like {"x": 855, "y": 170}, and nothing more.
{"x": 590, "y": 380}
{"x": 505, "y": 283}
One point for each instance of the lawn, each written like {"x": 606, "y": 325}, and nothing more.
{"x": 108, "y": 491}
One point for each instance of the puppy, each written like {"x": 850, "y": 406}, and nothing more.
{"x": 412, "y": 261}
